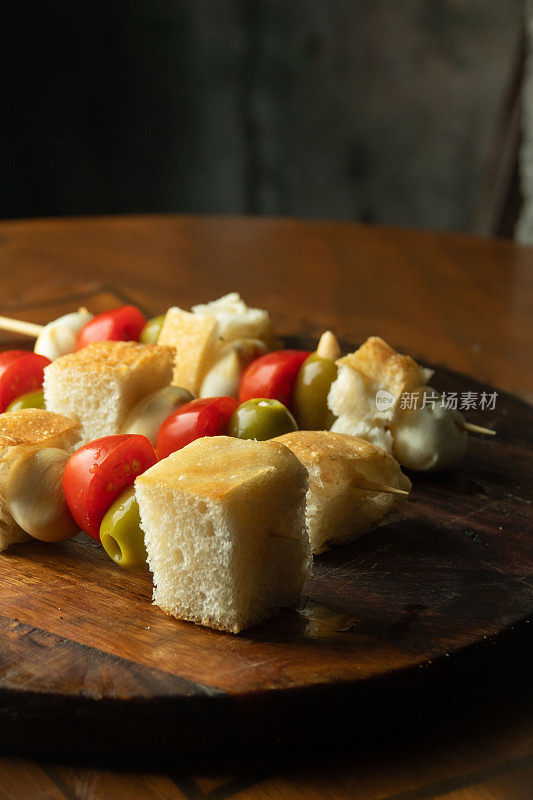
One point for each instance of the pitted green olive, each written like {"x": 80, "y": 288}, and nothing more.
{"x": 121, "y": 533}
{"x": 311, "y": 393}
{"x": 147, "y": 416}
{"x": 27, "y": 400}
{"x": 261, "y": 419}
{"x": 152, "y": 329}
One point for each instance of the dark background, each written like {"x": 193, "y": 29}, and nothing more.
{"x": 386, "y": 111}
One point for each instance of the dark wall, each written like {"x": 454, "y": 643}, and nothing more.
{"x": 375, "y": 110}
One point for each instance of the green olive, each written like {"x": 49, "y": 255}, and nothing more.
{"x": 261, "y": 419}
{"x": 310, "y": 398}
{"x": 152, "y": 329}
{"x": 121, "y": 533}
{"x": 28, "y": 400}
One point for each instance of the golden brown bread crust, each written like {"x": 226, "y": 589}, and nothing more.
{"x": 31, "y": 426}
{"x": 215, "y": 465}
{"x": 327, "y": 447}
{"x": 112, "y": 357}
{"x": 192, "y": 337}
{"x": 378, "y": 363}
{"x": 314, "y": 445}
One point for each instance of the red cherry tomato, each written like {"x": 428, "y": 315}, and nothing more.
{"x": 273, "y": 375}
{"x": 20, "y": 372}
{"x": 122, "y": 324}
{"x": 97, "y": 473}
{"x": 207, "y": 416}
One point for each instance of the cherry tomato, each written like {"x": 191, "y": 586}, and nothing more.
{"x": 20, "y": 372}
{"x": 207, "y": 416}
{"x": 273, "y": 375}
{"x": 122, "y": 324}
{"x": 97, "y": 473}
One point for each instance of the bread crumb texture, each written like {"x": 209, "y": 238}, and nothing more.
{"x": 339, "y": 505}
{"x": 192, "y": 337}
{"x": 200, "y": 334}
{"x": 380, "y": 366}
{"x": 99, "y": 384}
{"x": 353, "y": 397}
{"x": 236, "y": 320}
{"x": 224, "y": 524}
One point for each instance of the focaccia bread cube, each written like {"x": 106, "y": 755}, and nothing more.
{"x": 339, "y": 508}
{"x": 99, "y": 384}
{"x": 365, "y": 396}
{"x": 224, "y": 524}
{"x": 193, "y": 339}
{"x": 376, "y": 366}
{"x": 199, "y": 335}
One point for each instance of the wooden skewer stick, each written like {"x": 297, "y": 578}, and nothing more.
{"x": 384, "y": 489}
{"x": 469, "y": 426}
{"x": 19, "y": 326}
{"x": 377, "y": 487}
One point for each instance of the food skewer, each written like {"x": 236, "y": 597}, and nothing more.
{"x": 335, "y": 462}
{"x": 311, "y": 376}
{"x": 56, "y": 338}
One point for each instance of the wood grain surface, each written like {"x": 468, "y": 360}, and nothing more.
{"x": 449, "y": 299}
{"x": 434, "y": 600}
{"x": 426, "y": 611}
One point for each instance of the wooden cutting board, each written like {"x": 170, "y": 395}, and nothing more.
{"x": 427, "y": 612}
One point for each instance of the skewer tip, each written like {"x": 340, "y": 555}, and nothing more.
{"x": 471, "y": 428}
{"x": 393, "y": 490}
{"x": 378, "y": 488}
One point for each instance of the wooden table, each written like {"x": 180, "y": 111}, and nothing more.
{"x": 447, "y": 299}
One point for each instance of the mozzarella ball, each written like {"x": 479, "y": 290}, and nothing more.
{"x": 429, "y": 438}
{"x": 59, "y": 337}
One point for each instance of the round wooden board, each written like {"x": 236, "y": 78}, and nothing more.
{"x": 427, "y": 611}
